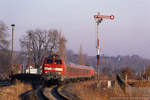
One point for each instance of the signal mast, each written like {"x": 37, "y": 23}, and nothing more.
{"x": 99, "y": 18}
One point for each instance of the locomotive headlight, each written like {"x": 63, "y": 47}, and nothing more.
{"x": 59, "y": 72}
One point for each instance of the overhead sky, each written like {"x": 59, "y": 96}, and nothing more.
{"x": 127, "y": 34}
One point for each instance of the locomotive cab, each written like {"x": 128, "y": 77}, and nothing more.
{"x": 53, "y": 69}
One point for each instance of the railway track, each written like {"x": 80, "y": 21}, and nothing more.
{"x": 45, "y": 93}
{"x": 53, "y": 93}
{"x": 35, "y": 94}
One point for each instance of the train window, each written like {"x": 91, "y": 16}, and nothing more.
{"x": 49, "y": 61}
{"x": 58, "y": 62}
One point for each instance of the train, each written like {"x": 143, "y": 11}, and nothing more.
{"x": 56, "y": 71}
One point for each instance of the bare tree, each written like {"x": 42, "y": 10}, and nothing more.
{"x": 4, "y": 52}
{"x": 81, "y": 56}
{"x": 5, "y": 60}
{"x": 62, "y": 46}
{"x": 3, "y": 35}
{"x": 43, "y": 42}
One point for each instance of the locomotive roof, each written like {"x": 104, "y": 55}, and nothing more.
{"x": 83, "y": 66}
{"x": 54, "y": 56}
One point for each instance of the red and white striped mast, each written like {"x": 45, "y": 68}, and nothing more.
{"x": 99, "y": 19}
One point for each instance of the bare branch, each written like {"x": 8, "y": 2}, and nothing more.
{"x": 41, "y": 40}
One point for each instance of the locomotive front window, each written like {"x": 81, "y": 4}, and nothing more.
{"x": 58, "y": 62}
{"x": 49, "y": 61}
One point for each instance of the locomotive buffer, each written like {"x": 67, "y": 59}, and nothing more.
{"x": 99, "y": 19}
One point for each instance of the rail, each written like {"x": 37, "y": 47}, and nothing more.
{"x": 53, "y": 93}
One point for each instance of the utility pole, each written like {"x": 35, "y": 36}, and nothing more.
{"x": 44, "y": 48}
{"x": 99, "y": 19}
{"x": 13, "y": 25}
{"x": 29, "y": 52}
{"x": 44, "y": 52}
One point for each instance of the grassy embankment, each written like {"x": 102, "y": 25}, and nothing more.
{"x": 12, "y": 92}
{"x": 87, "y": 90}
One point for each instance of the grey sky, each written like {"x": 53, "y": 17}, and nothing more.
{"x": 128, "y": 34}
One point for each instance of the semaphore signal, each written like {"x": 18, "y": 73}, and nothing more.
{"x": 103, "y": 16}
{"x": 99, "y": 18}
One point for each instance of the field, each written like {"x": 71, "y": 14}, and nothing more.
{"x": 14, "y": 91}
{"x": 87, "y": 90}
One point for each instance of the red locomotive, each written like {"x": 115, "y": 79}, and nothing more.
{"x": 56, "y": 70}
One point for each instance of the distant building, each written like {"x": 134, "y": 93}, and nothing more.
{"x": 33, "y": 70}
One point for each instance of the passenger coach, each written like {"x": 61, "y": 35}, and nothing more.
{"x": 56, "y": 71}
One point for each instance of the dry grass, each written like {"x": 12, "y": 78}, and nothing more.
{"x": 88, "y": 91}
{"x": 13, "y": 92}
{"x": 142, "y": 84}
{"x": 140, "y": 89}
